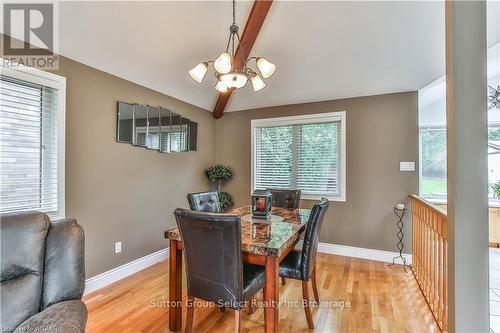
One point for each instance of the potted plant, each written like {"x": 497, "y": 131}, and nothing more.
{"x": 226, "y": 200}
{"x": 220, "y": 174}
{"x": 494, "y": 98}
{"x": 496, "y": 189}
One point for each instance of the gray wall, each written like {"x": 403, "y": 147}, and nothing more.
{"x": 116, "y": 191}
{"x": 381, "y": 132}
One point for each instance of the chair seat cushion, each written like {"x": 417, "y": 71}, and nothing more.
{"x": 254, "y": 279}
{"x": 67, "y": 317}
{"x": 290, "y": 266}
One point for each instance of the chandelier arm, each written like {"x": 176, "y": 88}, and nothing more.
{"x": 246, "y": 63}
{"x": 228, "y": 42}
{"x": 232, "y": 50}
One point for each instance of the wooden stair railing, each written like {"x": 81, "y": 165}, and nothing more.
{"x": 430, "y": 256}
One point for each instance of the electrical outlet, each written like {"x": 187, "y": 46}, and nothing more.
{"x": 118, "y": 247}
{"x": 406, "y": 166}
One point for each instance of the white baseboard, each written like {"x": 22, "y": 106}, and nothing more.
{"x": 121, "y": 272}
{"x": 363, "y": 253}
{"x": 102, "y": 280}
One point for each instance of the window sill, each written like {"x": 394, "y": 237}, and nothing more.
{"x": 436, "y": 201}
{"x": 315, "y": 197}
{"x": 492, "y": 203}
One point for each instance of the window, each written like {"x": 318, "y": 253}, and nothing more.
{"x": 32, "y": 107}
{"x": 300, "y": 152}
{"x": 432, "y": 140}
{"x": 493, "y": 66}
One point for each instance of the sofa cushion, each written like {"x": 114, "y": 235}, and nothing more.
{"x": 67, "y": 317}
{"x": 20, "y": 299}
{"x": 21, "y": 266}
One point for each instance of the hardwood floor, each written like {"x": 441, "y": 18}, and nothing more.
{"x": 382, "y": 299}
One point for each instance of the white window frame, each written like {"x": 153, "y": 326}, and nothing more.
{"x": 304, "y": 119}
{"x": 43, "y": 78}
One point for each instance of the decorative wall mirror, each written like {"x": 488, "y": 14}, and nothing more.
{"x": 153, "y": 131}
{"x": 140, "y": 125}
{"x": 175, "y": 134}
{"x": 193, "y": 135}
{"x": 165, "y": 130}
{"x": 184, "y": 134}
{"x": 125, "y": 132}
{"x": 155, "y": 128}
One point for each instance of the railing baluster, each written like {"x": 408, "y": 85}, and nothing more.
{"x": 429, "y": 264}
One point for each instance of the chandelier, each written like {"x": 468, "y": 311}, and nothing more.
{"x": 227, "y": 76}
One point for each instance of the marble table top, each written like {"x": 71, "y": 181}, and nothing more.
{"x": 265, "y": 237}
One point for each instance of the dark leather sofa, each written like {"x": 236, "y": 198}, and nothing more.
{"x": 42, "y": 274}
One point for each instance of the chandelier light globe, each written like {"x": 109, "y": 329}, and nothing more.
{"x": 198, "y": 72}
{"x": 223, "y": 63}
{"x": 221, "y": 87}
{"x": 257, "y": 83}
{"x": 234, "y": 80}
{"x": 265, "y": 67}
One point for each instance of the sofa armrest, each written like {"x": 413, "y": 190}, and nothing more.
{"x": 64, "y": 273}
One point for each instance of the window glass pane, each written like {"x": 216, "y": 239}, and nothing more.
{"x": 433, "y": 160}
{"x": 28, "y": 147}
{"x": 432, "y": 140}
{"x": 319, "y": 163}
{"x": 273, "y": 157}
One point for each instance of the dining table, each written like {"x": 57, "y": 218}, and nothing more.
{"x": 265, "y": 242}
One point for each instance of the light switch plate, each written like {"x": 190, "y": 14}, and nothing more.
{"x": 406, "y": 166}
{"x": 118, "y": 247}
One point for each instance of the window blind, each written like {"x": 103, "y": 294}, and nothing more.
{"x": 28, "y": 147}
{"x": 300, "y": 156}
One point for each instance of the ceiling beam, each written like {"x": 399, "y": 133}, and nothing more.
{"x": 254, "y": 22}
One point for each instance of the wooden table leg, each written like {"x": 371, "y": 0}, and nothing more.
{"x": 175, "y": 287}
{"x": 271, "y": 295}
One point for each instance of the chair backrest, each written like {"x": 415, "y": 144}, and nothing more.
{"x": 310, "y": 245}
{"x": 42, "y": 263}
{"x": 212, "y": 247}
{"x": 204, "y": 202}
{"x": 285, "y": 198}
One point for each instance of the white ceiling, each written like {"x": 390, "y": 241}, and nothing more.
{"x": 323, "y": 50}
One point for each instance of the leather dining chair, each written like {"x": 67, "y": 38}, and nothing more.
{"x": 204, "y": 202}
{"x": 215, "y": 271}
{"x": 285, "y": 198}
{"x": 300, "y": 264}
